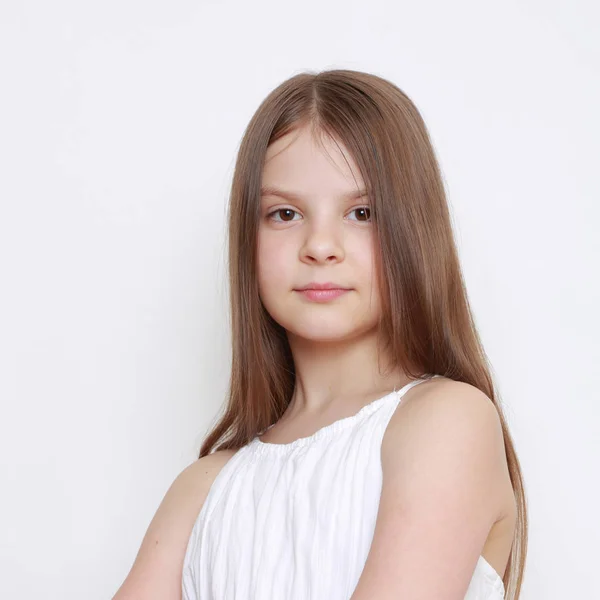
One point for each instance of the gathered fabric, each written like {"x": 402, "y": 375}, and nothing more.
{"x": 295, "y": 521}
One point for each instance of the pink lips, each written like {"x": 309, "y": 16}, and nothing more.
{"x": 322, "y": 292}
{"x": 322, "y": 295}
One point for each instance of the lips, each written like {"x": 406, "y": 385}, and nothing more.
{"x": 322, "y": 286}
{"x": 325, "y": 295}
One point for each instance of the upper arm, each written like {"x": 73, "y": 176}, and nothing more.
{"x": 157, "y": 570}
{"x": 443, "y": 465}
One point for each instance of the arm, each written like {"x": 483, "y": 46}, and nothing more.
{"x": 157, "y": 570}
{"x": 443, "y": 467}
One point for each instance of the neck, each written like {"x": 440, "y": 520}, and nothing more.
{"x": 339, "y": 371}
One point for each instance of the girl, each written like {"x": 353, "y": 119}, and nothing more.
{"x": 363, "y": 453}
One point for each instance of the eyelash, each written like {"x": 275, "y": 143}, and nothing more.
{"x": 277, "y": 210}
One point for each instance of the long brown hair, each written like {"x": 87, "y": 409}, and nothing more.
{"x": 426, "y": 323}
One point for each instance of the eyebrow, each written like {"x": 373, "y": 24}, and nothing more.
{"x": 273, "y": 191}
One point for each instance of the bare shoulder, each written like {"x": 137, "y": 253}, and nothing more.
{"x": 445, "y": 422}
{"x": 157, "y": 569}
{"x": 445, "y": 402}
{"x": 444, "y": 479}
{"x": 443, "y": 390}
{"x": 203, "y": 471}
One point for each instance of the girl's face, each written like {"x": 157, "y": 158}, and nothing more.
{"x": 315, "y": 227}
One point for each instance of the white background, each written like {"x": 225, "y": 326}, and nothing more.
{"x": 119, "y": 124}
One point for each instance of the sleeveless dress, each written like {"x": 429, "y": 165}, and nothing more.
{"x": 295, "y": 521}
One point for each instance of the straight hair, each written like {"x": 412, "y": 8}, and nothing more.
{"x": 426, "y": 323}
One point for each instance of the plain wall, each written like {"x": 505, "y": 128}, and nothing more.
{"x": 119, "y": 125}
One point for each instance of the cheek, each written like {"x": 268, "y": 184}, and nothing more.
{"x": 273, "y": 261}
{"x": 362, "y": 257}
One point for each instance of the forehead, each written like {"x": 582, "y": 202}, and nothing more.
{"x": 299, "y": 163}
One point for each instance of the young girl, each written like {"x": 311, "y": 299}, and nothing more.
{"x": 363, "y": 453}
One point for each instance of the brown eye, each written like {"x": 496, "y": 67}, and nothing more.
{"x": 287, "y": 211}
{"x": 364, "y": 212}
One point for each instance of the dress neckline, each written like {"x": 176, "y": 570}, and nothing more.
{"x": 332, "y": 428}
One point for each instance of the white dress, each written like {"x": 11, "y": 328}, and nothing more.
{"x": 295, "y": 521}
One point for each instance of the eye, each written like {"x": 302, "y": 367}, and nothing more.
{"x": 365, "y": 212}
{"x": 281, "y": 210}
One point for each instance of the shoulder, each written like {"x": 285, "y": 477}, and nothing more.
{"x": 443, "y": 480}
{"x": 445, "y": 399}
{"x": 158, "y": 566}
{"x": 445, "y": 403}
{"x": 447, "y": 429}
{"x": 192, "y": 485}
{"x": 203, "y": 471}
{"x": 188, "y": 491}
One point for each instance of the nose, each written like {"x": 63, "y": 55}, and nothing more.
{"x": 323, "y": 244}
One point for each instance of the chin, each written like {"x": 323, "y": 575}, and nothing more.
{"x": 323, "y": 323}
{"x": 325, "y": 330}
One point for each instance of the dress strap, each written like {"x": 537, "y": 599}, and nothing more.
{"x": 412, "y": 384}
